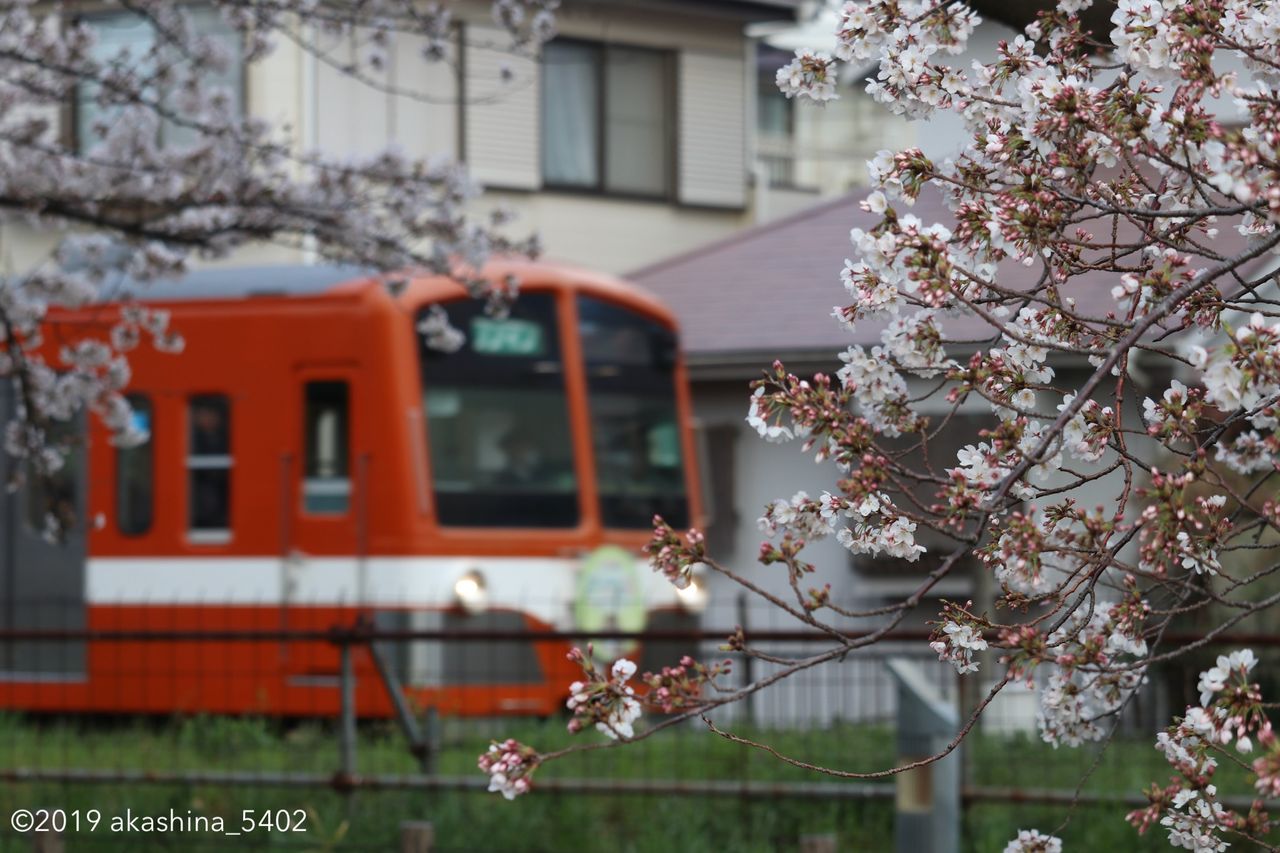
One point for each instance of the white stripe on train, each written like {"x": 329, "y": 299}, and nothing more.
{"x": 542, "y": 587}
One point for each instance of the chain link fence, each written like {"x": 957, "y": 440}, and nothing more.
{"x": 383, "y": 741}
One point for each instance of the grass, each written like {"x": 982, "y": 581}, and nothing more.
{"x": 546, "y": 821}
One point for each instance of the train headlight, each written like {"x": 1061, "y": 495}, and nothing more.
{"x": 472, "y": 592}
{"x": 693, "y": 597}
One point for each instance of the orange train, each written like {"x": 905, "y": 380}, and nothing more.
{"x": 315, "y": 457}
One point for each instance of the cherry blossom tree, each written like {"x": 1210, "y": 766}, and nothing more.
{"x": 167, "y": 170}
{"x": 1142, "y": 159}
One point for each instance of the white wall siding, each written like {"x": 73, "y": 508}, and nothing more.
{"x": 501, "y": 128}
{"x": 614, "y": 235}
{"x": 712, "y": 129}
{"x": 424, "y": 116}
{"x": 352, "y": 118}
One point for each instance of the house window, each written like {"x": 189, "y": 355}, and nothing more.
{"x": 326, "y": 484}
{"x": 135, "y": 485}
{"x": 209, "y": 469}
{"x": 775, "y": 119}
{"x": 775, "y": 112}
{"x": 606, "y": 118}
{"x": 126, "y": 31}
{"x": 717, "y": 445}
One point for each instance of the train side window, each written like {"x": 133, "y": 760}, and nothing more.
{"x": 209, "y": 468}
{"x": 135, "y": 479}
{"x": 326, "y": 484}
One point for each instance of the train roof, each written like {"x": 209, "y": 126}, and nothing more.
{"x": 242, "y": 282}
{"x": 216, "y": 284}
{"x": 314, "y": 279}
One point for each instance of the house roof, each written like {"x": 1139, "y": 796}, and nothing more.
{"x": 768, "y": 291}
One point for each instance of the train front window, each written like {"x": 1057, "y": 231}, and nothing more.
{"x": 630, "y": 363}
{"x": 498, "y": 418}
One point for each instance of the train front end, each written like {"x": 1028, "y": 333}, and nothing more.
{"x": 552, "y": 436}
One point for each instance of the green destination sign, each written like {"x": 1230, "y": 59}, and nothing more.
{"x": 505, "y": 337}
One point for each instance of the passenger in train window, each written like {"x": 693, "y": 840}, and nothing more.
{"x": 527, "y": 463}
{"x": 209, "y": 434}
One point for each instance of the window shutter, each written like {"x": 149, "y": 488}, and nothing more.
{"x": 713, "y": 115}
{"x": 500, "y": 118}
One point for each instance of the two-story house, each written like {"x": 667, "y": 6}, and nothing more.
{"x": 626, "y": 139}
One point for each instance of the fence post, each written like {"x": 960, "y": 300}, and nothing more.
{"x": 927, "y": 805}
{"x": 423, "y": 748}
{"x": 47, "y": 842}
{"x": 432, "y": 739}
{"x": 417, "y": 836}
{"x": 348, "y": 723}
{"x": 821, "y": 843}
{"x": 748, "y": 676}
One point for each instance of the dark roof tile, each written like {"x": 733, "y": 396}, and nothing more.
{"x": 772, "y": 287}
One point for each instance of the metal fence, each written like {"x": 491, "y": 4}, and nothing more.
{"x": 332, "y": 776}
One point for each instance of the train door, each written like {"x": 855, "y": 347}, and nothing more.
{"x": 325, "y": 569}
{"x": 42, "y": 586}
